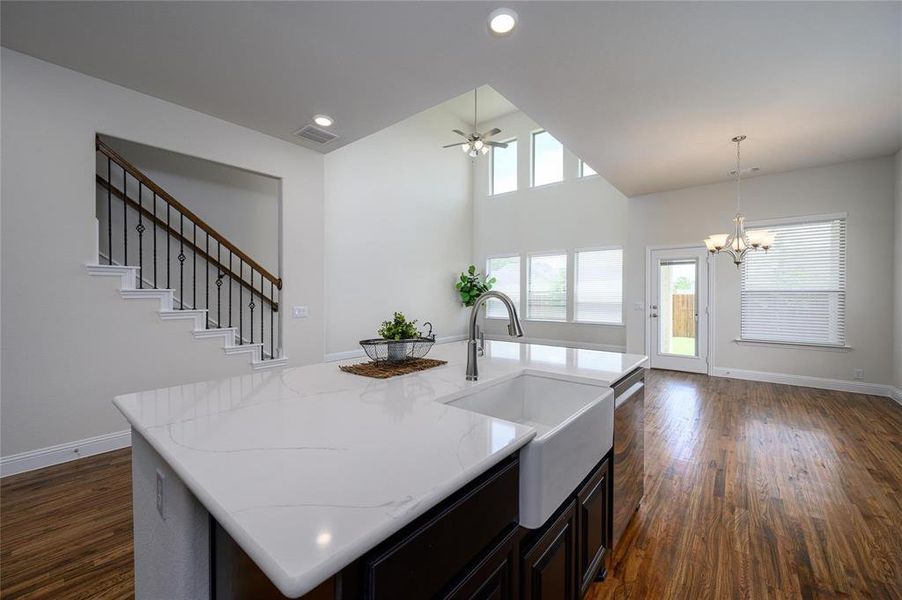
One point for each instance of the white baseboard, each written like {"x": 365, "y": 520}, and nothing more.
{"x": 359, "y": 353}
{"x": 61, "y": 453}
{"x": 564, "y": 343}
{"x": 842, "y": 385}
{"x": 896, "y": 394}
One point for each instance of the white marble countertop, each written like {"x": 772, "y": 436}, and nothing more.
{"x": 308, "y": 468}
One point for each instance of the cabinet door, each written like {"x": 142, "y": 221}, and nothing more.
{"x": 548, "y": 568}
{"x": 423, "y": 559}
{"x": 593, "y": 505}
{"x": 494, "y": 577}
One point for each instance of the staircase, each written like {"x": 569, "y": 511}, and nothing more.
{"x": 160, "y": 250}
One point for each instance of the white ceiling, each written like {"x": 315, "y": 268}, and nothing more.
{"x": 491, "y": 106}
{"x": 648, "y": 93}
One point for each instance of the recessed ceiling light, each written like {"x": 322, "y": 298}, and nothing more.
{"x": 323, "y": 120}
{"x": 502, "y": 22}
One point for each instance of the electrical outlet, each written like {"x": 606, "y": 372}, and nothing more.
{"x": 299, "y": 312}
{"x": 159, "y": 493}
{"x": 859, "y": 374}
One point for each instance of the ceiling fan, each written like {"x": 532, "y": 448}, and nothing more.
{"x": 476, "y": 143}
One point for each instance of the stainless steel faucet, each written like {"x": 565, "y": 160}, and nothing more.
{"x": 514, "y": 329}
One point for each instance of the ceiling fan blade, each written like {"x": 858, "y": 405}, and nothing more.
{"x": 494, "y": 131}
{"x": 497, "y": 144}
{"x": 452, "y": 145}
{"x": 459, "y": 132}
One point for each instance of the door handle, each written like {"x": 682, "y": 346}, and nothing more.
{"x": 654, "y": 315}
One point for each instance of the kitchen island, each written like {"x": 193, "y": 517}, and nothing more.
{"x": 307, "y": 469}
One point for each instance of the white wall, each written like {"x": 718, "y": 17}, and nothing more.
{"x": 69, "y": 342}
{"x": 241, "y": 205}
{"x": 575, "y": 213}
{"x": 398, "y": 229}
{"x": 897, "y": 311}
{"x": 863, "y": 189}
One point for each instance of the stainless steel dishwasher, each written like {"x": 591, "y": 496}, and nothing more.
{"x": 629, "y": 449}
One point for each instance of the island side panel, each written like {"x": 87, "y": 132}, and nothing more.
{"x": 172, "y": 550}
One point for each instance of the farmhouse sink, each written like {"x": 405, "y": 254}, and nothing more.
{"x": 574, "y": 425}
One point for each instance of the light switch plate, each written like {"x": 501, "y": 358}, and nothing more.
{"x": 299, "y": 312}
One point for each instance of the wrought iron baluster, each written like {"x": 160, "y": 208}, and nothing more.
{"x": 272, "y": 300}
{"x": 181, "y": 257}
{"x": 251, "y": 305}
{"x": 240, "y": 301}
{"x": 124, "y": 217}
{"x": 109, "y": 210}
{"x": 262, "y": 342}
{"x": 168, "y": 249}
{"x": 207, "y": 278}
{"x": 154, "y": 240}
{"x": 231, "y": 283}
{"x": 140, "y": 229}
{"x": 219, "y": 275}
{"x": 194, "y": 269}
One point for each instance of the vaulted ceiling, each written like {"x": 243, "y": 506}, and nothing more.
{"x": 648, "y": 93}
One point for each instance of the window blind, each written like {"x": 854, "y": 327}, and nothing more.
{"x": 546, "y": 293}
{"x": 599, "y": 286}
{"x": 506, "y": 271}
{"x": 796, "y": 292}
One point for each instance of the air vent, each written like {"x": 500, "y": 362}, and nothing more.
{"x": 315, "y": 134}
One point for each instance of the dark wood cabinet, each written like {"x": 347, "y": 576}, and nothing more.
{"x": 495, "y": 576}
{"x": 593, "y": 519}
{"x": 423, "y": 559}
{"x": 469, "y": 547}
{"x": 548, "y": 567}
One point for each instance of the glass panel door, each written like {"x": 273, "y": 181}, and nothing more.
{"x": 678, "y": 310}
{"x": 677, "y": 313}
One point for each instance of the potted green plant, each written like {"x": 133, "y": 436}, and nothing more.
{"x": 398, "y": 329}
{"x": 471, "y": 285}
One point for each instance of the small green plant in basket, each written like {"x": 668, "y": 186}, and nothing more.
{"x": 399, "y": 328}
{"x": 471, "y": 285}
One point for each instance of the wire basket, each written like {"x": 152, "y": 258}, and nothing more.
{"x": 382, "y": 350}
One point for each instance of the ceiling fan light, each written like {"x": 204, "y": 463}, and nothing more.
{"x": 478, "y": 144}
{"x": 484, "y": 149}
{"x": 465, "y": 147}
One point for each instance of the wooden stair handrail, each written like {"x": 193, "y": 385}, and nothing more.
{"x": 221, "y": 268}
{"x": 103, "y": 148}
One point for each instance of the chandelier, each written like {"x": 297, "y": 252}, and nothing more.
{"x": 738, "y": 243}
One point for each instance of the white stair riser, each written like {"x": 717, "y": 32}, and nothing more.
{"x": 128, "y": 278}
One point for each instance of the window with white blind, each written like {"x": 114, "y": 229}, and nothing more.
{"x": 506, "y": 271}
{"x": 599, "y": 286}
{"x": 796, "y": 292}
{"x": 546, "y": 289}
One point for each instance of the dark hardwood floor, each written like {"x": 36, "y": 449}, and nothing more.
{"x": 753, "y": 490}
